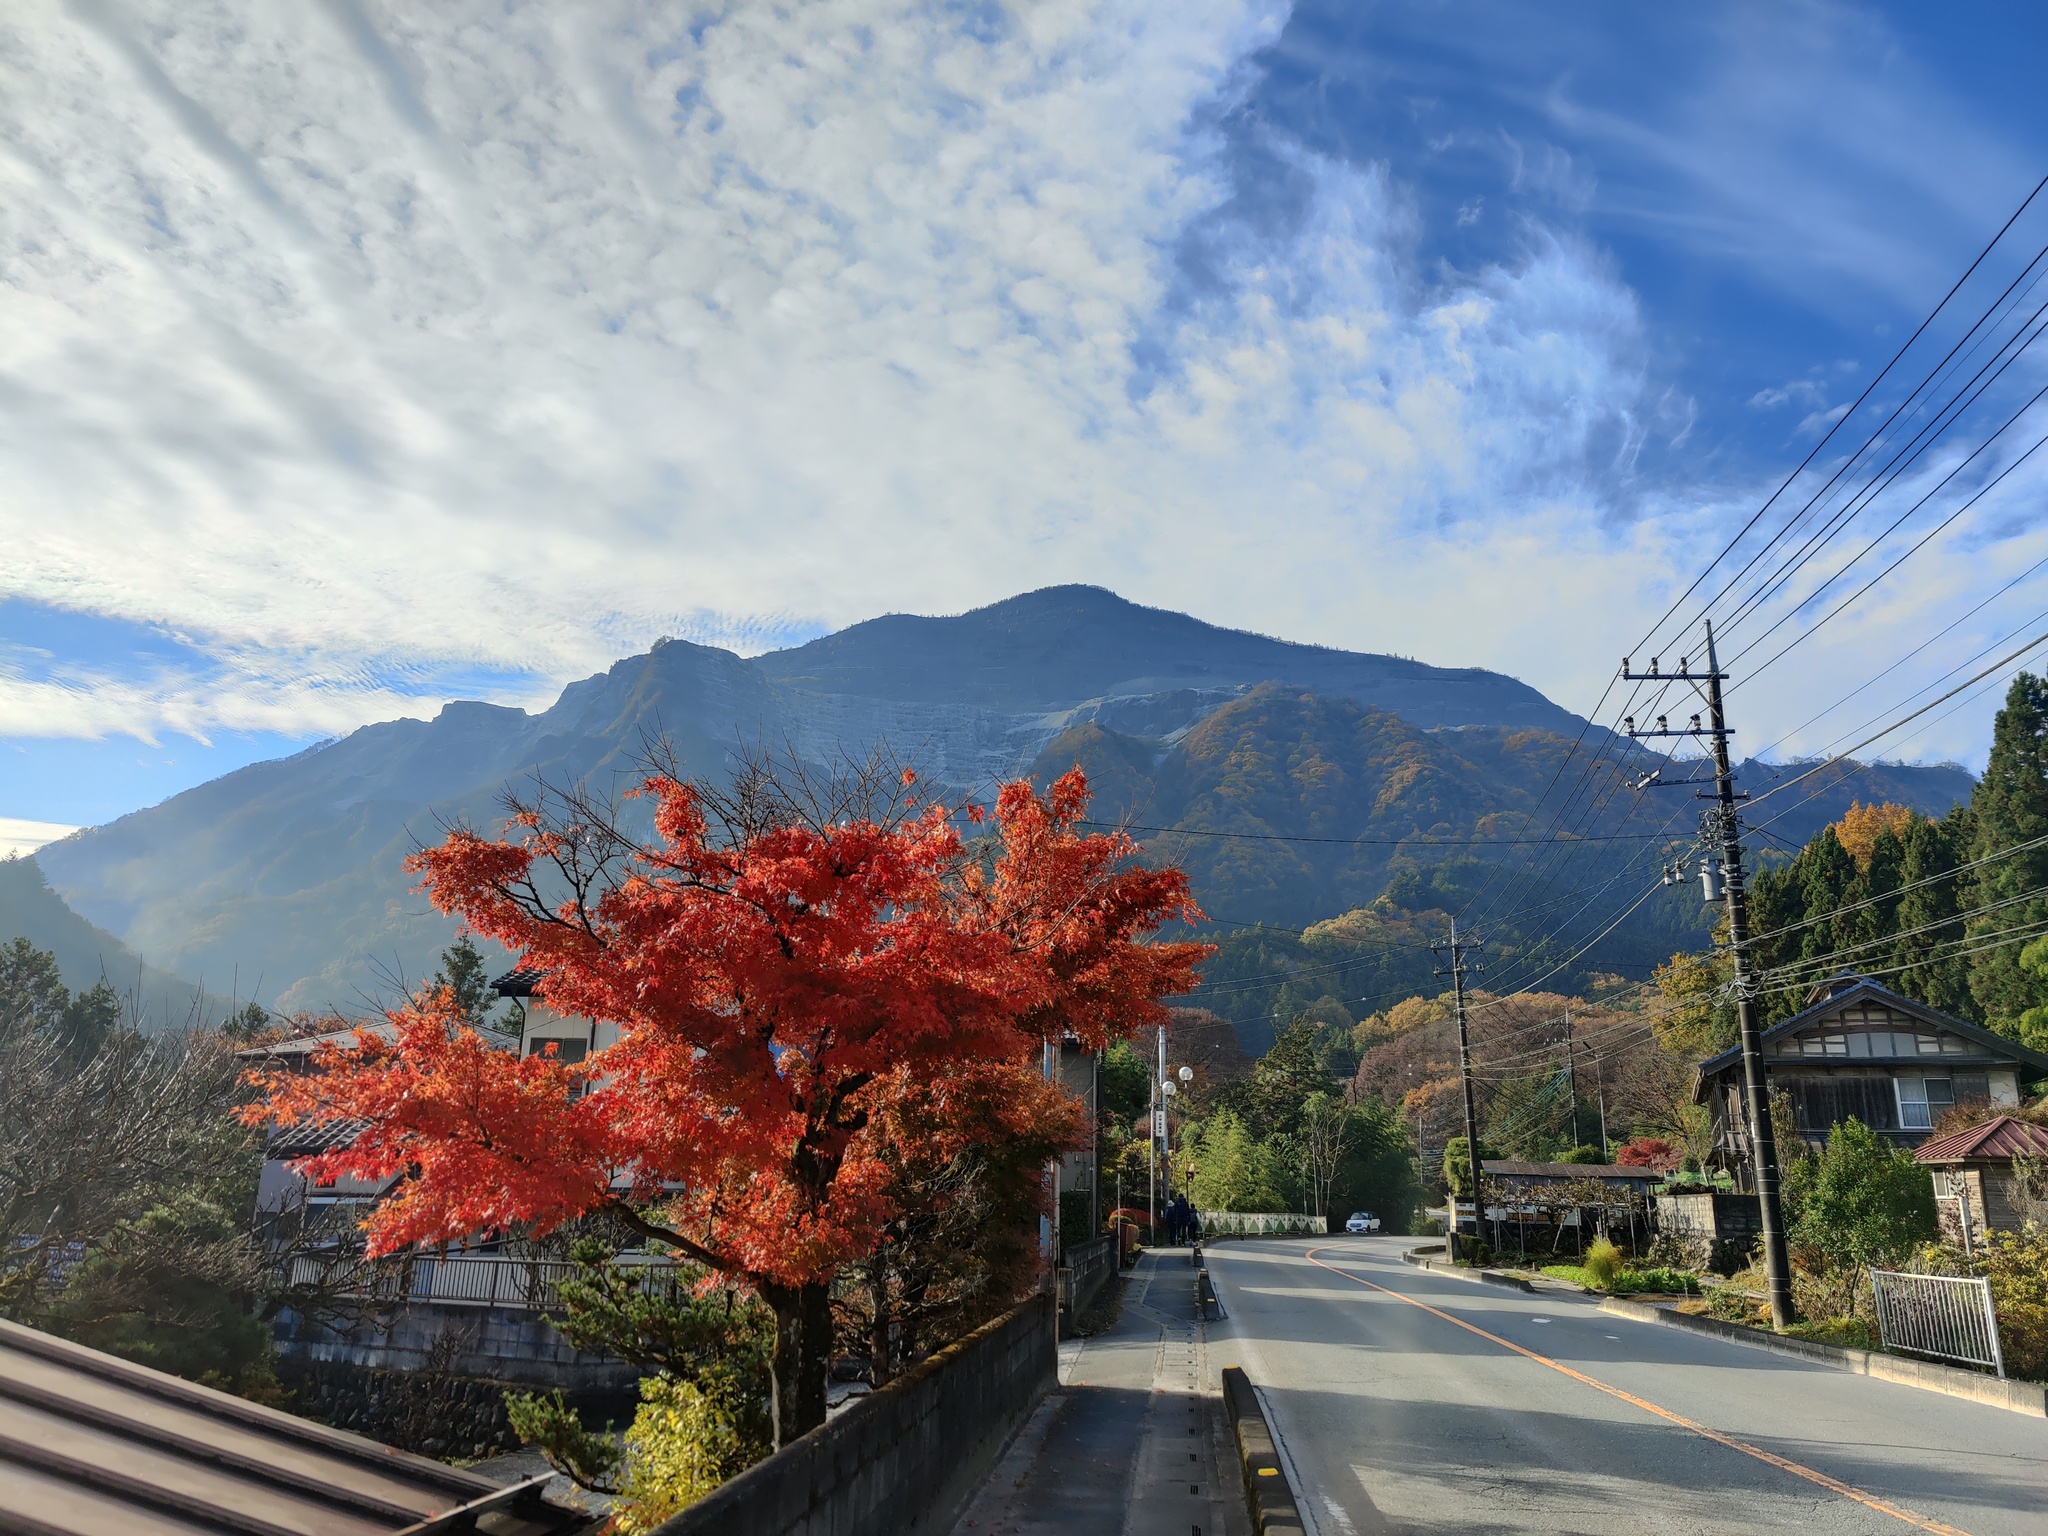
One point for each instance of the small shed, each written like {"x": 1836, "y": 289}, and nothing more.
{"x": 1976, "y": 1165}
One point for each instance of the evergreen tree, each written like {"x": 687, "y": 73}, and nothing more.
{"x": 1777, "y": 905}
{"x": 32, "y": 992}
{"x": 1866, "y": 931}
{"x": 464, "y": 973}
{"x": 1826, "y": 878}
{"x": 1932, "y": 914}
{"x": 1281, "y": 1083}
{"x": 2010, "y": 805}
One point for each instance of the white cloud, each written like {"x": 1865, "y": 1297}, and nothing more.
{"x": 361, "y": 344}
{"x": 19, "y": 838}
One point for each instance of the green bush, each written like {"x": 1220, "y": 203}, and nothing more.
{"x": 1861, "y": 1201}
{"x": 1075, "y": 1227}
{"x": 2016, "y": 1264}
{"x": 1668, "y": 1281}
{"x": 1603, "y": 1263}
{"x": 1458, "y": 1166}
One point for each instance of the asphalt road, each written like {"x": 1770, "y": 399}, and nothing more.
{"x": 1397, "y": 1418}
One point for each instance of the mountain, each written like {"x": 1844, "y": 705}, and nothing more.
{"x": 1086, "y": 650}
{"x": 86, "y": 955}
{"x": 292, "y": 870}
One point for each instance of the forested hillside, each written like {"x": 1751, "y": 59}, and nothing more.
{"x": 1331, "y": 842}
{"x": 1951, "y": 910}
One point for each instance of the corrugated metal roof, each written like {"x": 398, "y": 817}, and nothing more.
{"x": 1999, "y": 1137}
{"x": 306, "y": 1045}
{"x": 91, "y": 1445}
{"x": 1613, "y": 1172}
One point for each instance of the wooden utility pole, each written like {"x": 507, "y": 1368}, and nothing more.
{"x": 1456, "y": 971}
{"x": 1722, "y": 881}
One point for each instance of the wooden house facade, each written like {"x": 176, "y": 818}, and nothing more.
{"x": 1864, "y": 1052}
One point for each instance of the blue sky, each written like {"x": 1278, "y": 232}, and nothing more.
{"x": 364, "y": 356}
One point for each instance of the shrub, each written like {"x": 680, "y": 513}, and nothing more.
{"x": 1860, "y": 1202}
{"x": 2016, "y": 1264}
{"x": 682, "y": 1445}
{"x": 1074, "y": 1224}
{"x": 1669, "y": 1281}
{"x": 1603, "y": 1263}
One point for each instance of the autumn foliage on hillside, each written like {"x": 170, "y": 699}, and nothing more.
{"x": 812, "y": 993}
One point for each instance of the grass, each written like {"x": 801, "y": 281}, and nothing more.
{"x": 1630, "y": 1282}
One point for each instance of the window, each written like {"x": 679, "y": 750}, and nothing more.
{"x": 1821, "y": 1103}
{"x": 566, "y": 1050}
{"x": 1922, "y": 1099}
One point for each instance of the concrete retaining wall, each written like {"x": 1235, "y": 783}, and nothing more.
{"x": 901, "y": 1459}
{"x": 503, "y": 1344}
{"x": 1090, "y": 1264}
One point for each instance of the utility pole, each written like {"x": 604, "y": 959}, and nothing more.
{"x": 1571, "y": 1075}
{"x": 1456, "y": 972}
{"x": 1723, "y": 882}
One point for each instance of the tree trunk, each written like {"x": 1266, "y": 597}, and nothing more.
{"x": 803, "y": 1349}
{"x": 880, "y": 1370}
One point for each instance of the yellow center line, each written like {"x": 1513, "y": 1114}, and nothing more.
{"x": 1832, "y": 1484}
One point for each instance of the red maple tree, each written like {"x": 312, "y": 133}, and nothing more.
{"x": 773, "y": 974}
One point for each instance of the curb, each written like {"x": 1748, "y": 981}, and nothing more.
{"x": 2014, "y": 1396}
{"x": 1458, "y": 1272}
{"x": 1267, "y": 1496}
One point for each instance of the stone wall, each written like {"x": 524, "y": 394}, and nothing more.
{"x": 902, "y": 1459}
{"x": 428, "y": 1412}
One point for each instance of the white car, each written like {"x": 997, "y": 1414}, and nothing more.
{"x": 1362, "y": 1221}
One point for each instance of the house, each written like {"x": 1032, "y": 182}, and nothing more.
{"x": 1862, "y": 1051}
{"x": 281, "y": 1190}
{"x": 1976, "y": 1164}
{"x": 95, "y": 1443}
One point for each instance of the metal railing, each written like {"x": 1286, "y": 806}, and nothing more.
{"x": 1945, "y": 1317}
{"x": 467, "y": 1280}
{"x": 1258, "y": 1223}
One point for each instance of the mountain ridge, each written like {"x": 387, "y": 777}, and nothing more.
{"x": 293, "y": 868}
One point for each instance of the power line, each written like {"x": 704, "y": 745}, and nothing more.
{"x": 1416, "y": 840}
{"x": 1882, "y": 374}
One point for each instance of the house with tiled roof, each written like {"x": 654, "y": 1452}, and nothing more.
{"x": 1860, "y": 1051}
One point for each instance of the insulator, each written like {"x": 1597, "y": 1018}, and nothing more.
{"x": 1653, "y": 666}
{"x": 1695, "y": 722}
{"x": 1663, "y": 724}
{"x": 1685, "y": 663}
{"x": 1628, "y": 723}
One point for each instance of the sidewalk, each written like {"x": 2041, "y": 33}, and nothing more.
{"x": 1134, "y": 1443}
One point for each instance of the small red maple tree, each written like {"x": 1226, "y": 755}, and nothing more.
{"x": 776, "y": 979}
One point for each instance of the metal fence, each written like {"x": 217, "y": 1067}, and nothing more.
{"x": 1945, "y": 1317}
{"x": 1258, "y": 1223}
{"x": 469, "y": 1280}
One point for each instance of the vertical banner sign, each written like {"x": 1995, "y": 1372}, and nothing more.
{"x": 1159, "y": 1124}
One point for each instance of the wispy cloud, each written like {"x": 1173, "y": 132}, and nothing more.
{"x": 380, "y": 351}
